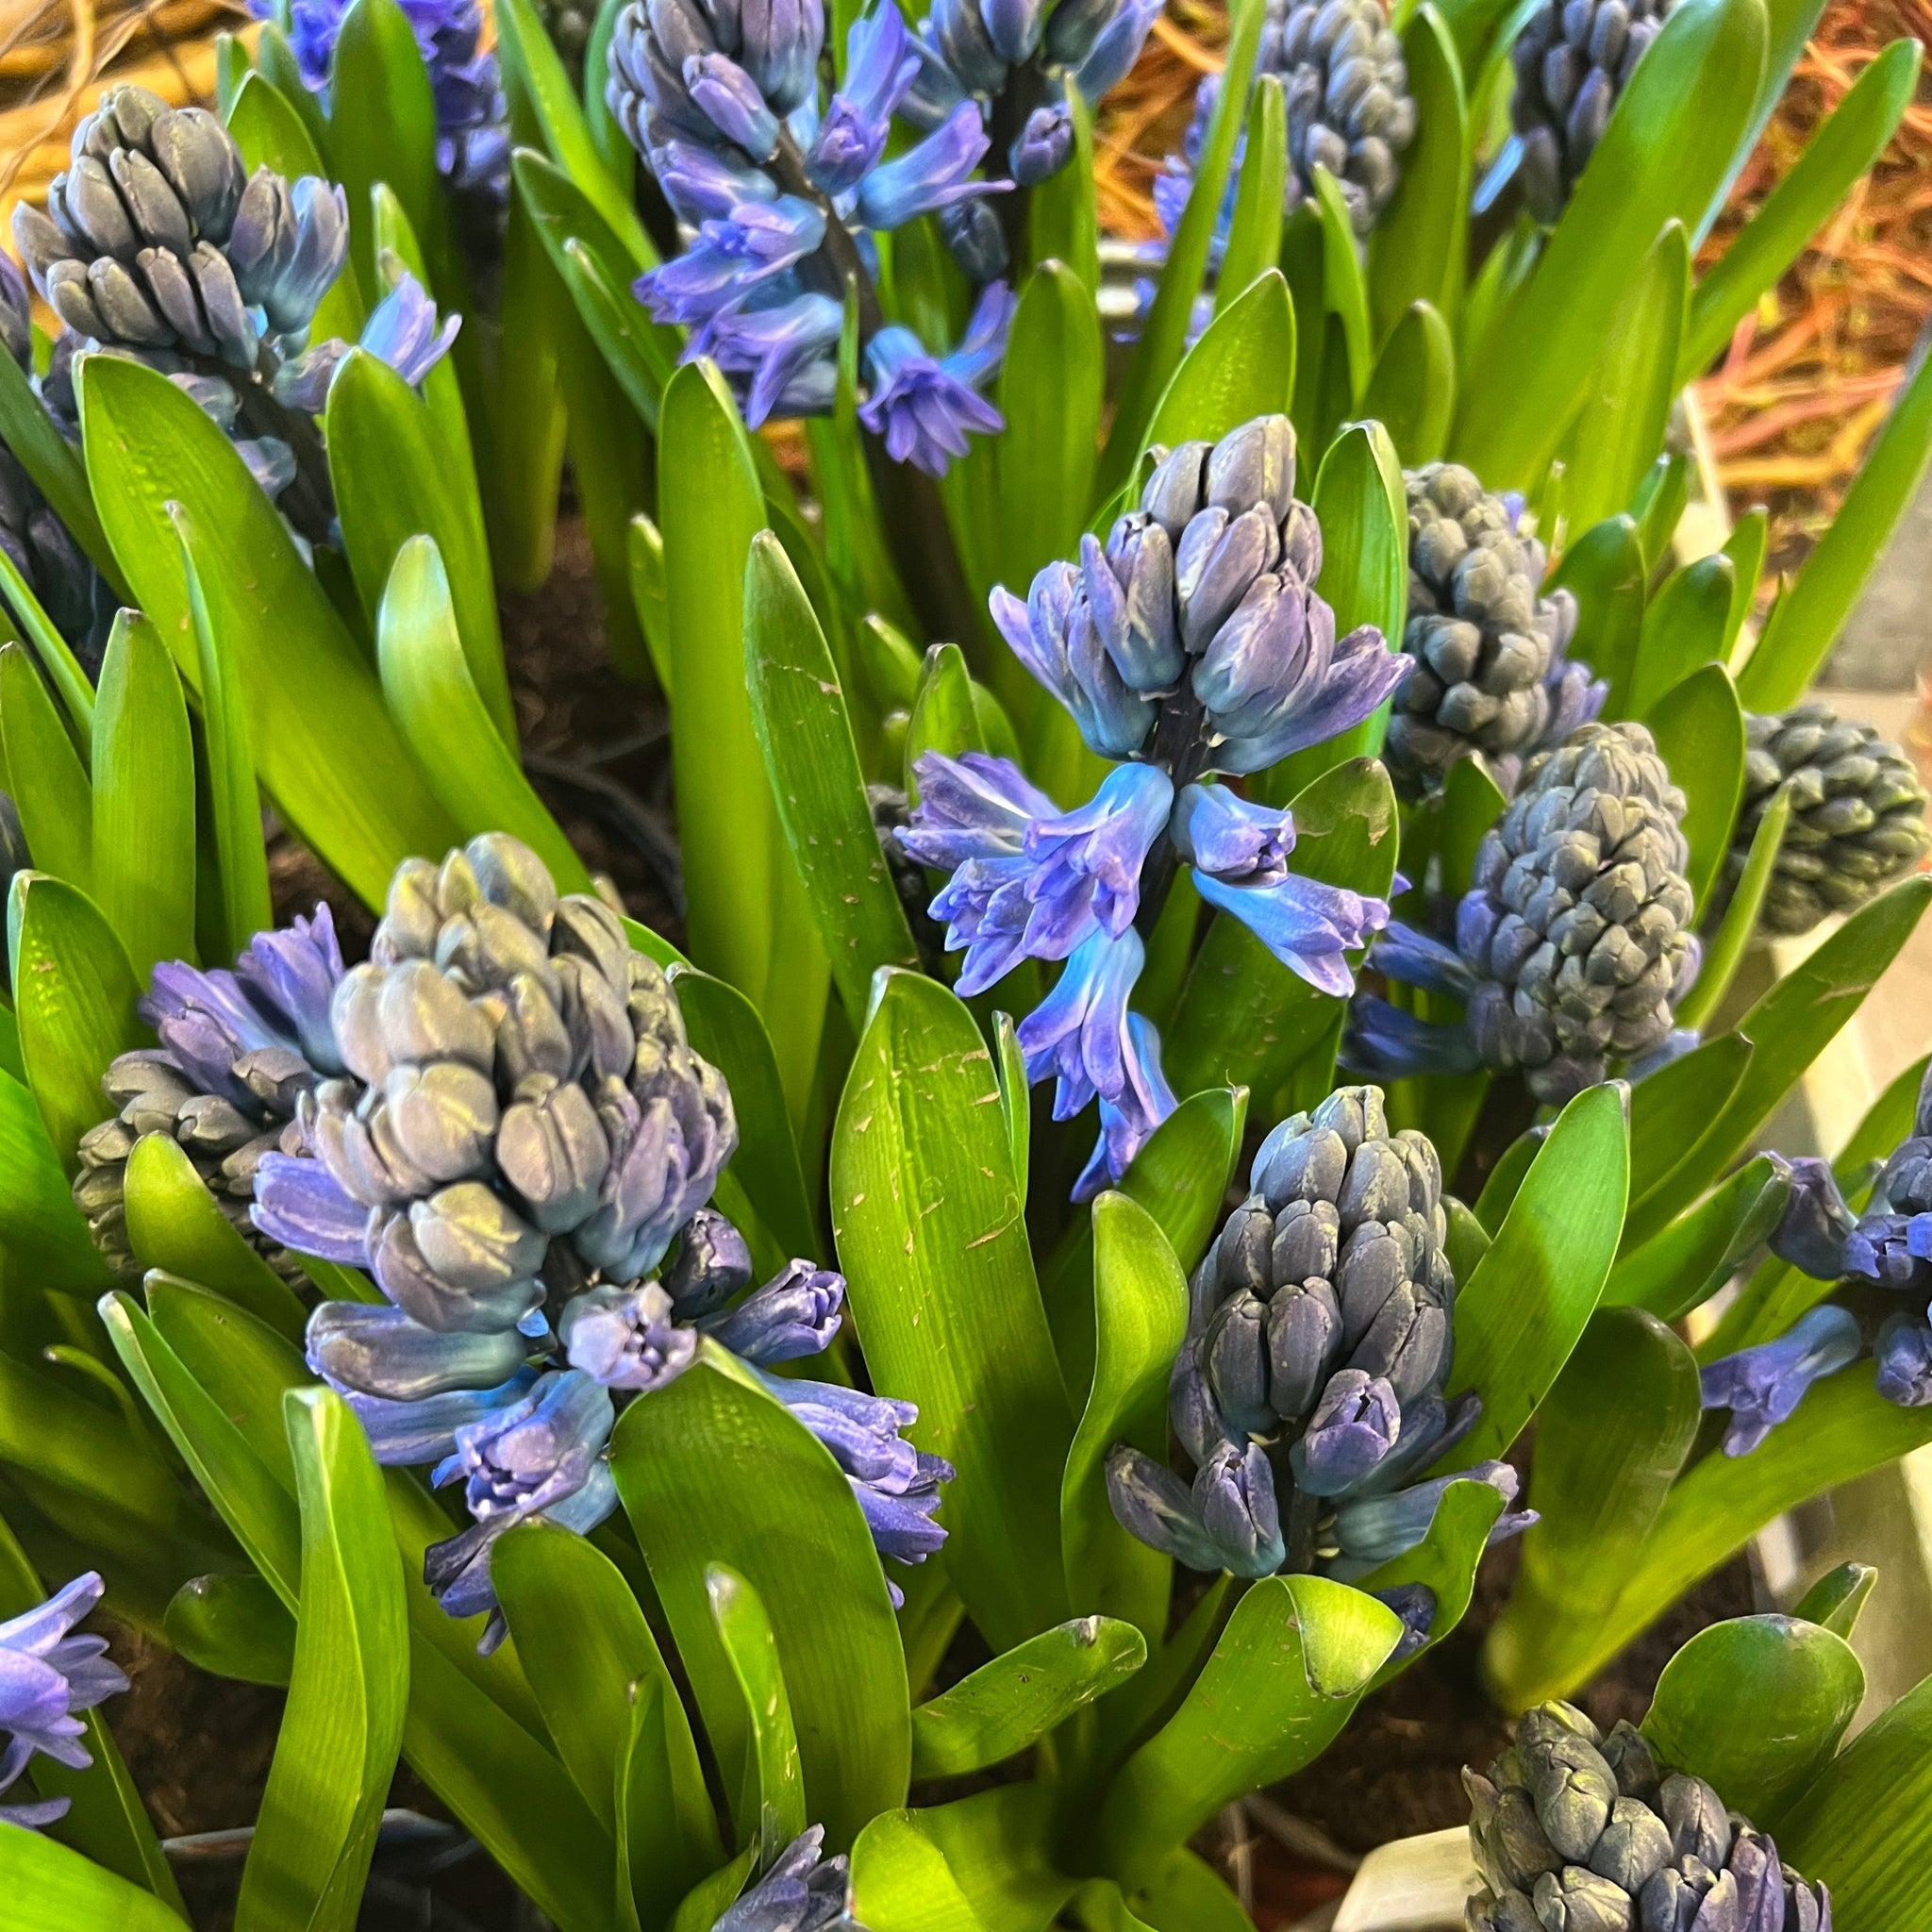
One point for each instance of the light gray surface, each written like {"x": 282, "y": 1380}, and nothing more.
{"x": 1888, "y": 635}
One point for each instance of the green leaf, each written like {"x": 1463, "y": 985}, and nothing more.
{"x": 278, "y": 124}
{"x": 233, "y": 1626}
{"x": 1344, "y": 290}
{"x": 1418, "y": 249}
{"x": 1723, "y": 951}
{"x": 1141, "y": 1317}
{"x": 1861, "y": 1828}
{"x": 1244, "y": 1019}
{"x": 701, "y": 1907}
{"x": 383, "y": 127}
{"x": 1682, "y": 1267}
{"x": 997, "y": 1846}
{"x": 997, "y": 1711}
{"x": 342, "y": 1728}
{"x": 712, "y": 1468}
{"x": 1835, "y": 1601}
{"x": 39, "y": 1225}
{"x": 1610, "y": 1442}
{"x": 1659, "y": 509}
{"x": 247, "y": 907}
{"x": 1016, "y": 1097}
{"x": 712, "y": 508}
{"x": 1684, "y": 628}
{"x": 1050, "y": 395}
{"x": 44, "y": 773}
{"x": 58, "y": 662}
{"x": 1667, "y": 147}
{"x": 772, "y": 1811}
{"x": 1843, "y": 149}
{"x": 1604, "y": 570}
{"x": 902, "y": 1883}
{"x": 1520, "y": 1314}
{"x": 944, "y": 717}
{"x": 1471, "y": 803}
{"x": 668, "y": 1835}
{"x": 1621, "y": 427}
{"x": 1164, "y": 334}
{"x": 49, "y": 1889}
{"x": 805, "y": 733}
{"x": 1745, "y": 546}
{"x": 645, "y": 553}
{"x": 1254, "y": 238}
{"x": 329, "y": 754}
{"x": 1284, "y": 1678}
{"x": 144, "y": 801}
{"x": 1815, "y": 603}
{"x": 1243, "y": 367}
{"x": 172, "y": 1222}
{"x": 1189, "y": 1895}
{"x": 533, "y": 69}
{"x": 74, "y": 995}
{"x": 1444, "y": 1562}
{"x": 925, "y": 1210}
{"x": 725, "y": 1028}
{"x": 587, "y": 1646}
{"x": 1721, "y": 1502}
{"x": 1670, "y": 1108}
{"x": 1755, "y": 1706}
{"x": 1412, "y": 391}
{"x": 396, "y": 482}
{"x": 1790, "y": 1027}
{"x": 1505, "y": 1179}
{"x": 428, "y": 680}
{"x": 1699, "y": 729}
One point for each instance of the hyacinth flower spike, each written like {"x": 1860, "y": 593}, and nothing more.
{"x": 785, "y": 195}
{"x": 47, "y": 1678}
{"x": 1191, "y": 642}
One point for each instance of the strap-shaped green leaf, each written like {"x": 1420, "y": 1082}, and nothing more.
{"x": 1520, "y": 1314}
{"x": 57, "y": 658}
{"x": 38, "y": 1222}
{"x": 75, "y": 996}
{"x": 1254, "y": 235}
{"x": 327, "y": 749}
{"x": 396, "y": 481}
{"x": 1140, "y": 1315}
{"x": 925, "y": 1209}
{"x": 143, "y": 800}
{"x": 713, "y": 1470}
{"x": 47, "y": 779}
{"x": 995, "y": 1849}
{"x": 771, "y": 1809}
{"x": 1243, "y": 367}
{"x": 1755, "y": 1706}
{"x": 1064, "y": 219}
{"x": 1412, "y": 391}
{"x": 810, "y": 759}
{"x": 1680, "y": 1268}
{"x": 1723, "y": 951}
{"x": 49, "y": 1889}
{"x": 1290, "y": 1668}
{"x": 343, "y": 1728}
{"x": 428, "y": 679}
{"x": 1667, "y": 147}
{"x": 1610, "y": 1441}
{"x": 232, "y": 1623}
{"x": 997, "y": 1711}
{"x": 1444, "y": 1562}
{"x": 1699, "y": 729}
{"x": 1419, "y": 249}
{"x": 1837, "y": 1598}
{"x": 1621, "y": 427}
{"x": 1604, "y": 570}
{"x": 1671, "y": 1109}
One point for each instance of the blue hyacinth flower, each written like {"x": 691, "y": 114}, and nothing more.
{"x": 1079, "y": 1032}
{"x": 802, "y": 1892}
{"x": 924, "y": 405}
{"x": 1227, "y": 1519}
{"x": 1128, "y": 1118}
{"x": 928, "y": 177}
{"x": 1903, "y": 1353}
{"x": 1763, "y": 1386}
{"x": 881, "y": 62}
{"x": 795, "y": 1314}
{"x": 1372, "y": 1529}
{"x": 47, "y": 1678}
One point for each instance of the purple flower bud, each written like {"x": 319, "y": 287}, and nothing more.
{"x": 1114, "y": 49}
{"x": 1369, "y": 1530}
{"x": 1763, "y": 1386}
{"x": 1013, "y": 27}
{"x": 626, "y": 1338}
{"x": 1222, "y": 834}
{"x": 774, "y": 345}
{"x": 713, "y": 1263}
{"x": 378, "y": 1350}
{"x": 1904, "y": 1352}
{"x": 881, "y": 62}
{"x": 781, "y": 39}
{"x": 405, "y": 1434}
{"x": 1233, "y": 1496}
{"x": 1362, "y": 673}
{"x": 800, "y": 1893}
{"x": 1310, "y": 928}
{"x": 1079, "y": 1031}
{"x": 530, "y": 1456}
{"x": 703, "y": 184}
{"x": 965, "y": 47}
{"x": 1415, "y": 1603}
{"x": 930, "y": 175}
{"x": 46, "y": 1679}
{"x": 795, "y": 1314}
{"x": 402, "y": 331}
{"x": 1152, "y": 1503}
{"x": 1355, "y": 1425}
{"x": 1810, "y": 1234}
{"x": 731, "y": 100}
{"x": 1054, "y": 635}
{"x": 1044, "y": 146}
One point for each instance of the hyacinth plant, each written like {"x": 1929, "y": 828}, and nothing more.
{"x": 457, "y": 1334}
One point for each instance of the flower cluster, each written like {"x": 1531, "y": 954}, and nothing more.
{"x": 155, "y": 243}
{"x": 802, "y": 1892}
{"x": 238, "y": 1050}
{"x": 500, "y": 1117}
{"x": 472, "y": 121}
{"x": 47, "y": 1678}
{"x": 1193, "y": 642}
{"x": 1880, "y": 1265}
{"x": 782, "y": 195}
{"x": 1018, "y": 58}
{"x": 1573, "y": 945}
{"x": 1321, "y": 1332}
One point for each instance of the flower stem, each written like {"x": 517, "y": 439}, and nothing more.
{"x": 1181, "y": 747}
